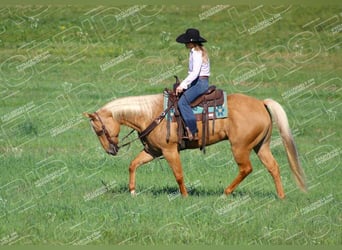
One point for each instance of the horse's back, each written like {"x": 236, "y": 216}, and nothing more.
{"x": 245, "y": 104}
{"x": 248, "y": 117}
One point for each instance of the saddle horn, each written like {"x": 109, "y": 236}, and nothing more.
{"x": 176, "y": 83}
{"x": 177, "y": 79}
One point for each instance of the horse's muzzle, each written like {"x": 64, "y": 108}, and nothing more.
{"x": 113, "y": 149}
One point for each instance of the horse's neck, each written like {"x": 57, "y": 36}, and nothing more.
{"x": 136, "y": 112}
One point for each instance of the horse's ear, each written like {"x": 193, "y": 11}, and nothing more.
{"x": 90, "y": 116}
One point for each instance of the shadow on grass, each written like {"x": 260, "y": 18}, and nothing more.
{"x": 158, "y": 191}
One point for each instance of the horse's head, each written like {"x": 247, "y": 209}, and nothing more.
{"x": 106, "y": 129}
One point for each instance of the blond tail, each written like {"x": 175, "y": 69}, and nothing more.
{"x": 280, "y": 118}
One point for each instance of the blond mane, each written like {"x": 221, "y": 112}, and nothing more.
{"x": 134, "y": 106}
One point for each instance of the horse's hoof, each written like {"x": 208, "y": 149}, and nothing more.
{"x": 223, "y": 196}
{"x": 133, "y": 193}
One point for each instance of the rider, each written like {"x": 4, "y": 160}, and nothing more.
{"x": 197, "y": 81}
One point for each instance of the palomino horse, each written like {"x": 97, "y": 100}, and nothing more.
{"x": 248, "y": 127}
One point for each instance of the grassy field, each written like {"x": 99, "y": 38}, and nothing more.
{"x": 59, "y": 61}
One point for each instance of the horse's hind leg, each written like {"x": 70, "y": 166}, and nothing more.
{"x": 266, "y": 157}
{"x": 142, "y": 158}
{"x": 245, "y": 168}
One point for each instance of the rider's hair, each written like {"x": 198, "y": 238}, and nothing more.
{"x": 199, "y": 46}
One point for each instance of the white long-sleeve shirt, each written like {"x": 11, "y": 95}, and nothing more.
{"x": 196, "y": 68}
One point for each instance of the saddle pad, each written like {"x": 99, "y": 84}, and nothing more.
{"x": 221, "y": 111}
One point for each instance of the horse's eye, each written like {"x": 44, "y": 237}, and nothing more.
{"x": 99, "y": 133}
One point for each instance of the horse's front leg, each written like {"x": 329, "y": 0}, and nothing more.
{"x": 173, "y": 158}
{"x": 142, "y": 158}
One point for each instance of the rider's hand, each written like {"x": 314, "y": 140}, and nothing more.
{"x": 179, "y": 90}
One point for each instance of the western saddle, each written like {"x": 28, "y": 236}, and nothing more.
{"x": 212, "y": 98}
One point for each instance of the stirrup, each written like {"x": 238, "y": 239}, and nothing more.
{"x": 191, "y": 137}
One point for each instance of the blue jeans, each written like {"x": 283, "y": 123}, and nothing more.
{"x": 197, "y": 88}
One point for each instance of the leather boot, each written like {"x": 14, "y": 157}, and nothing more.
{"x": 190, "y": 135}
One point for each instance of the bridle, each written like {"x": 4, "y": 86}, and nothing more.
{"x": 104, "y": 131}
{"x": 114, "y": 146}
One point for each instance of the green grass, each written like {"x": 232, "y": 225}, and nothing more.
{"x": 53, "y": 167}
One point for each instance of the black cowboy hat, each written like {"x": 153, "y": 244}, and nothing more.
{"x": 191, "y": 36}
